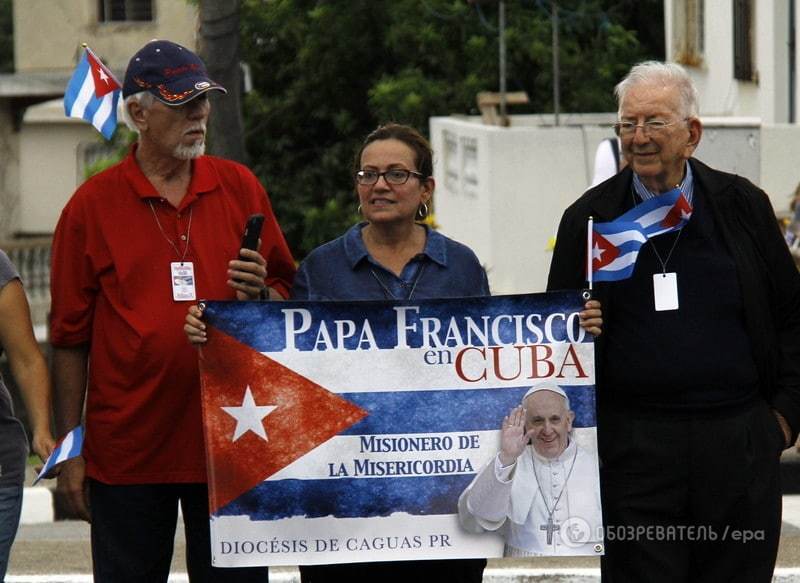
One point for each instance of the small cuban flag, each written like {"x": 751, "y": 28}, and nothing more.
{"x": 615, "y": 247}
{"x": 612, "y": 248}
{"x": 69, "y": 447}
{"x": 92, "y": 94}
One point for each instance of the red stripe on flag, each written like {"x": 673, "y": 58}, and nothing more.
{"x": 104, "y": 81}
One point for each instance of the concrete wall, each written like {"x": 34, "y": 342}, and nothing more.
{"x": 780, "y": 174}
{"x": 9, "y": 172}
{"x": 48, "y": 33}
{"x": 50, "y": 164}
{"x": 733, "y": 145}
{"x": 502, "y": 191}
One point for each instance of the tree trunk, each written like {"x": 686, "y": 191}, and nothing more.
{"x": 219, "y": 49}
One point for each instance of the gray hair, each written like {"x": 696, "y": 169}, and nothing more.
{"x": 143, "y": 98}
{"x": 670, "y": 74}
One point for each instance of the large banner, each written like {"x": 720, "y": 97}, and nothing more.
{"x": 354, "y": 431}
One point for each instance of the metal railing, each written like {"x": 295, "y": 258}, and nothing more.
{"x": 32, "y": 259}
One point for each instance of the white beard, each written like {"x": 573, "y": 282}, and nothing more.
{"x": 183, "y": 152}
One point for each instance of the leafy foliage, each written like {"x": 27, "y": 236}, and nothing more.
{"x": 327, "y": 72}
{"x": 113, "y": 151}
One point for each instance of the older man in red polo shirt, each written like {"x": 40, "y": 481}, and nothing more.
{"x": 133, "y": 245}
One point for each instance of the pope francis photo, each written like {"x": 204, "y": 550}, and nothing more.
{"x": 541, "y": 491}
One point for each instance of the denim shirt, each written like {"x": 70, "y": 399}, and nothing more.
{"x": 342, "y": 269}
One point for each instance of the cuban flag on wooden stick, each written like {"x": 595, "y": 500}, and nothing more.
{"x": 614, "y": 246}
{"x": 92, "y": 94}
{"x": 69, "y": 447}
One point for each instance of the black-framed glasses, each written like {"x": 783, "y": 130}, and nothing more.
{"x": 651, "y": 126}
{"x": 392, "y": 176}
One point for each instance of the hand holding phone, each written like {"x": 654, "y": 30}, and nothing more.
{"x": 250, "y": 236}
{"x": 252, "y": 231}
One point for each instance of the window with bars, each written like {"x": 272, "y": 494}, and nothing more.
{"x": 125, "y": 10}
{"x": 688, "y": 32}
{"x": 743, "y": 40}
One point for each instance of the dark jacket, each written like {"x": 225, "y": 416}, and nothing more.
{"x": 769, "y": 280}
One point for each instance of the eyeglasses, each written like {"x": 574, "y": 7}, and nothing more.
{"x": 393, "y": 176}
{"x": 651, "y": 126}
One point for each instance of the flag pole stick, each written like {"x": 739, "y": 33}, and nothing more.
{"x": 589, "y": 228}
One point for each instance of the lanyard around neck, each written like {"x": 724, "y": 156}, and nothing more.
{"x": 181, "y": 256}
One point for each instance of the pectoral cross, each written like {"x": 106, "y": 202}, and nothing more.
{"x": 550, "y": 527}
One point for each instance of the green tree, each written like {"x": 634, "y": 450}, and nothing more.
{"x": 326, "y": 72}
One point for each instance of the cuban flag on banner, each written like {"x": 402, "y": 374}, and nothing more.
{"x": 615, "y": 245}
{"x": 69, "y": 447}
{"x": 346, "y": 431}
{"x": 92, "y": 94}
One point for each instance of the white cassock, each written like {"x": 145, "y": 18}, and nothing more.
{"x": 510, "y": 500}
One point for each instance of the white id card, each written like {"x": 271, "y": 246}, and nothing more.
{"x": 183, "y": 281}
{"x": 665, "y": 291}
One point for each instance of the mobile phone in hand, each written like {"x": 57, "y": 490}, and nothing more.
{"x": 252, "y": 231}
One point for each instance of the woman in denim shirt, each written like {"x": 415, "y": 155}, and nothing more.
{"x": 391, "y": 256}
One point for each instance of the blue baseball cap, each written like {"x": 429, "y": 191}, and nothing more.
{"x": 172, "y": 73}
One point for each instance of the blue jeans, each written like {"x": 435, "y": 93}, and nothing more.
{"x": 10, "y": 509}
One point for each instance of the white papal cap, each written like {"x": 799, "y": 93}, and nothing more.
{"x": 552, "y": 388}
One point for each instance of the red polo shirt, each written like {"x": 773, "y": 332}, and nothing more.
{"x": 112, "y": 288}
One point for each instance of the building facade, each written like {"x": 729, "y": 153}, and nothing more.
{"x": 42, "y": 153}
{"x": 742, "y": 55}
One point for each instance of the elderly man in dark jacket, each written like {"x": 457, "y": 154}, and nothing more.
{"x": 696, "y": 402}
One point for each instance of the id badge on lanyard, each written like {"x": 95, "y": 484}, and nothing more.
{"x": 665, "y": 291}
{"x": 183, "y": 289}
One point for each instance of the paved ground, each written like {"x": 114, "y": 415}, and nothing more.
{"x": 59, "y": 552}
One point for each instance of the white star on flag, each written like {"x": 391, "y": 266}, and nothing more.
{"x": 103, "y": 76}
{"x": 685, "y": 216}
{"x": 249, "y": 416}
{"x": 597, "y": 252}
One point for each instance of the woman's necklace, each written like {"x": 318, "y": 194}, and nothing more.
{"x": 388, "y": 292}
{"x": 369, "y": 241}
